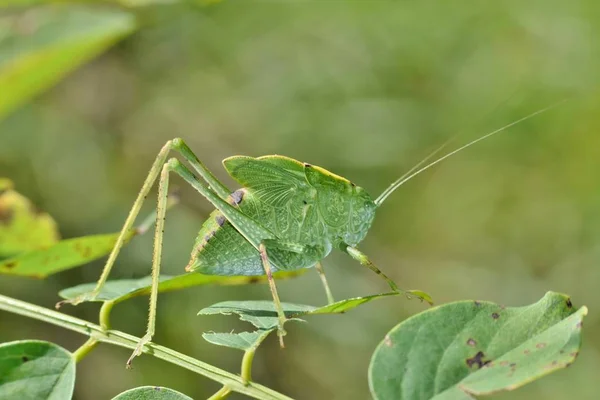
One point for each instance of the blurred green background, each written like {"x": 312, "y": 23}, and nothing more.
{"x": 365, "y": 89}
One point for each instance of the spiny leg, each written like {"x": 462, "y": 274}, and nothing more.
{"x": 249, "y": 228}
{"x": 175, "y": 144}
{"x": 364, "y": 260}
{"x": 161, "y": 209}
{"x": 173, "y": 165}
{"x": 321, "y": 272}
{"x": 280, "y": 314}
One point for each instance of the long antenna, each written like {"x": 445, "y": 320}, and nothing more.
{"x": 410, "y": 174}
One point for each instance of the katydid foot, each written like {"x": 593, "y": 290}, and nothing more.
{"x": 82, "y": 298}
{"x": 281, "y": 333}
{"x": 139, "y": 349}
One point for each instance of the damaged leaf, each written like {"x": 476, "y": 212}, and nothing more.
{"x": 470, "y": 348}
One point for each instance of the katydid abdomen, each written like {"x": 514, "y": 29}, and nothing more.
{"x": 307, "y": 208}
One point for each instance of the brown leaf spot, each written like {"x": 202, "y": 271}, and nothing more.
{"x": 569, "y": 304}
{"x": 540, "y": 345}
{"x": 527, "y": 351}
{"x": 254, "y": 279}
{"x": 579, "y": 325}
{"x": 471, "y": 342}
{"x": 477, "y": 359}
{"x": 477, "y": 303}
{"x": 220, "y": 220}
{"x": 157, "y": 388}
{"x": 24, "y": 359}
{"x": 10, "y": 264}
{"x": 388, "y": 341}
{"x": 495, "y": 315}
{"x": 503, "y": 363}
{"x": 574, "y": 354}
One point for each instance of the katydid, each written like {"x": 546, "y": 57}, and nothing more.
{"x": 287, "y": 215}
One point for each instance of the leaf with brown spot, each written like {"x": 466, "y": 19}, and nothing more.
{"x": 22, "y": 228}
{"x": 33, "y": 369}
{"x": 504, "y": 356}
{"x": 66, "y": 254}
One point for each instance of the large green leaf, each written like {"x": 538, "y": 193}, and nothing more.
{"x": 151, "y": 393}
{"x": 470, "y": 348}
{"x": 36, "y": 370}
{"x": 22, "y": 227}
{"x": 123, "y": 289}
{"x": 40, "y": 46}
{"x": 63, "y": 255}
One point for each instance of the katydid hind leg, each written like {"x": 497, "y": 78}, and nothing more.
{"x": 177, "y": 145}
{"x": 364, "y": 260}
{"x": 156, "y": 259}
{"x": 128, "y": 225}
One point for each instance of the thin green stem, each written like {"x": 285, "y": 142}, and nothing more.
{"x": 249, "y": 357}
{"x": 221, "y": 394}
{"x": 247, "y": 365}
{"x": 118, "y": 338}
{"x": 105, "y": 310}
{"x": 84, "y": 350}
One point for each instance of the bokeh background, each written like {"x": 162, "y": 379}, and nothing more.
{"x": 365, "y": 89}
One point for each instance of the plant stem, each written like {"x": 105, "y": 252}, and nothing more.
{"x": 221, "y": 394}
{"x": 249, "y": 356}
{"x": 84, "y": 350}
{"x": 118, "y": 338}
{"x": 105, "y": 314}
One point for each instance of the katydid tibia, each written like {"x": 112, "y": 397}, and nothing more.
{"x": 287, "y": 215}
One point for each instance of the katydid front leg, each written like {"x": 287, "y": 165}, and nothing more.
{"x": 364, "y": 260}
{"x": 161, "y": 209}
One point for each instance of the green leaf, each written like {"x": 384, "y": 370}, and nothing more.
{"x": 348, "y": 304}
{"x": 63, "y": 255}
{"x": 243, "y": 341}
{"x": 261, "y": 314}
{"x": 40, "y": 46}
{"x": 151, "y": 393}
{"x": 22, "y": 227}
{"x": 469, "y": 348}
{"x": 32, "y": 369}
{"x": 123, "y": 289}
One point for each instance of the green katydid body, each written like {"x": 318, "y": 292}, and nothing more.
{"x": 288, "y": 215}
{"x": 306, "y": 207}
